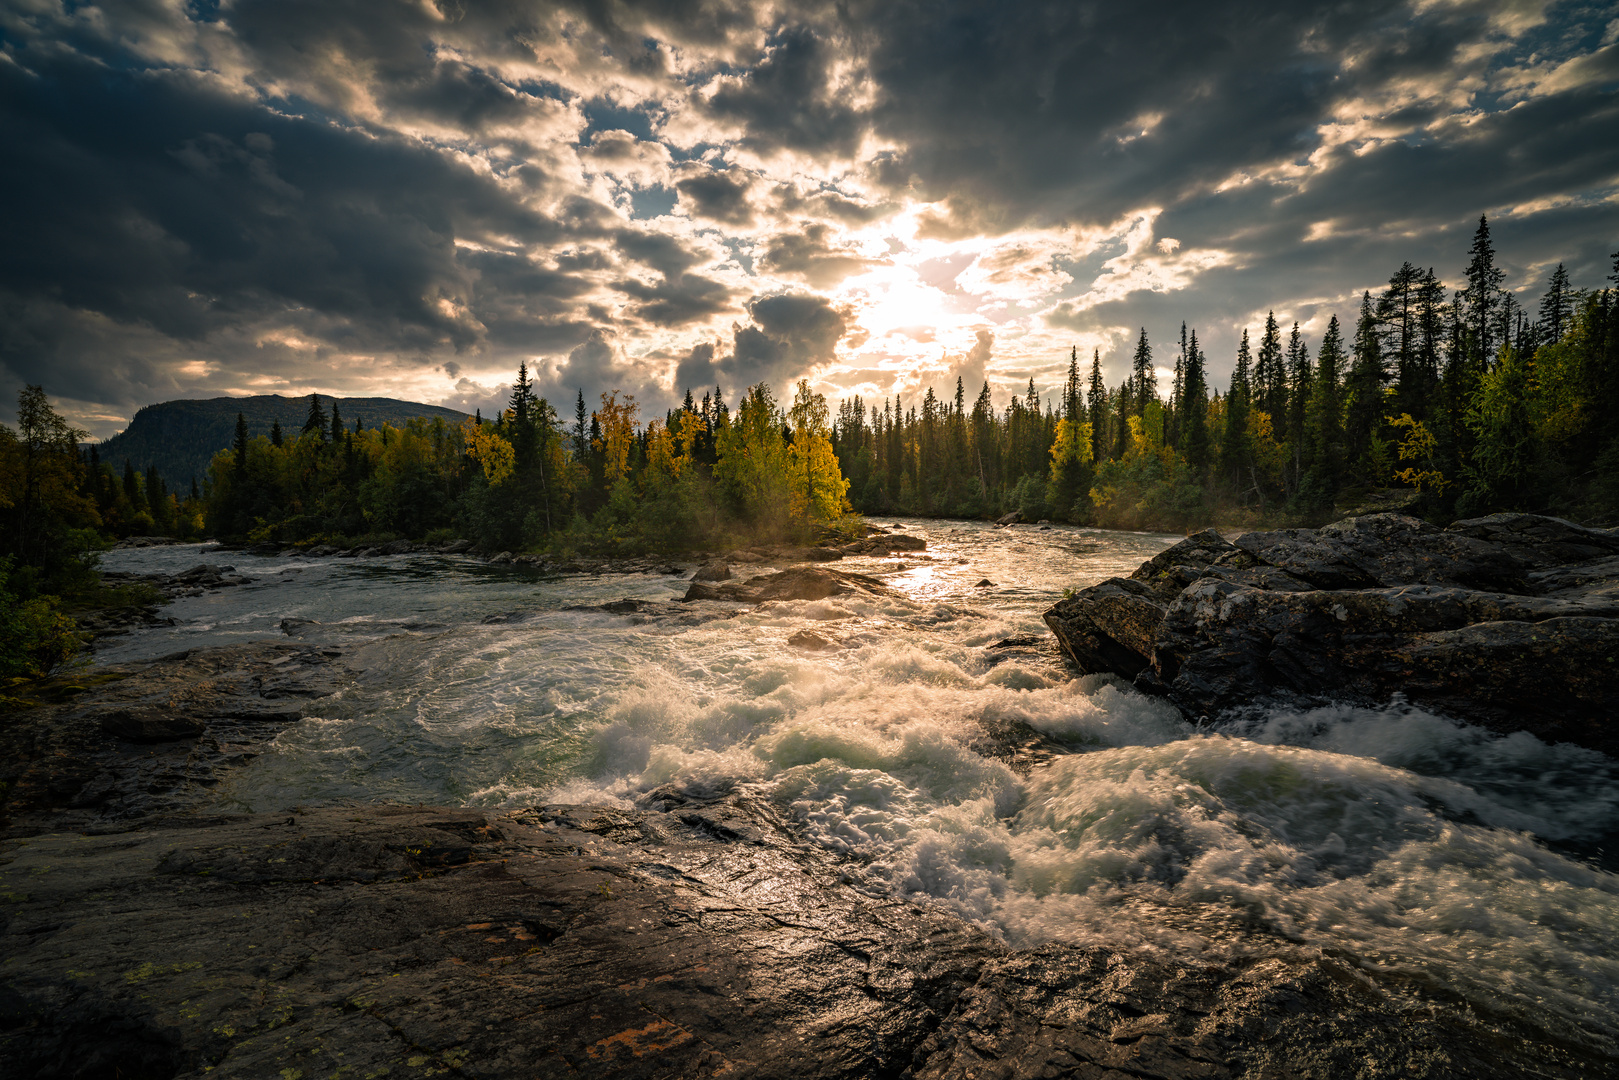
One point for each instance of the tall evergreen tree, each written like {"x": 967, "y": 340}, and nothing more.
{"x": 1143, "y": 379}
{"x": 1481, "y": 299}
{"x": 1096, "y": 401}
{"x": 1269, "y": 389}
{"x": 1193, "y": 420}
{"x": 1324, "y": 421}
{"x": 581, "y": 416}
{"x": 1234, "y": 451}
{"x": 1556, "y": 307}
{"x": 240, "y": 446}
{"x": 316, "y": 421}
{"x": 337, "y": 423}
{"x": 1298, "y": 378}
{"x": 275, "y": 433}
{"x": 1365, "y": 407}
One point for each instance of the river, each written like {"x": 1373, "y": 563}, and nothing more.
{"x": 1431, "y": 854}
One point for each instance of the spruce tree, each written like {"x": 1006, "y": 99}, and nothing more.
{"x": 1365, "y": 409}
{"x": 1143, "y": 379}
{"x": 1125, "y": 408}
{"x": 1324, "y": 421}
{"x": 1096, "y": 402}
{"x": 1556, "y": 307}
{"x": 1269, "y": 390}
{"x": 1193, "y": 421}
{"x": 132, "y": 490}
{"x": 275, "y": 433}
{"x": 1481, "y": 299}
{"x": 1298, "y": 377}
{"x": 316, "y": 421}
{"x": 241, "y": 442}
{"x": 1234, "y": 443}
{"x": 581, "y": 416}
{"x": 337, "y": 424}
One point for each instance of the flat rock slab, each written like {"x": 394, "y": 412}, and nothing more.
{"x": 687, "y": 939}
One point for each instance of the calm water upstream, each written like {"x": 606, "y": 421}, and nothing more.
{"x": 1391, "y": 836}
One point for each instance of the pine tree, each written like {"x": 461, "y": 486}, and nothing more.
{"x": 337, "y": 424}
{"x": 1269, "y": 390}
{"x": 317, "y": 418}
{"x": 132, "y": 490}
{"x": 1234, "y": 443}
{"x": 1096, "y": 402}
{"x": 1481, "y": 299}
{"x": 1298, "y": 377}
{"x": 1323, "y": 421}
{"x": 581, "y": 416}
{"x": 1366, "y": 409}
{"x": 1192, "y": 422}
{"x": 1143, "y": 379}
{"x": 1125, "y": 408}
{"x": 1556, "y": 307}
{"x": 241, "y": 441}
{"x": 275, "y": 433}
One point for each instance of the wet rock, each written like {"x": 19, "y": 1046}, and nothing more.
{"x": 194, "y": 715}
{"x": 1009, "y": 519}
{"x": 810, "y": 641}
{"x": 800, "y": 583}
{"x": 503, "y": 558}
{"x": 718, "y": 570}
{"x": 398, "y": 547}
{"x": 641, "y": 612}
{"x": 1480, "y": 620}
{"x": 882, "y": 545}
{"x": 455, "y": 547}
{"x": 321, "y": 551}
{"x": 148, "y": 725}
{"x": 368, "y": 553}
{"x": 985, "y": 584}
{"x": 688, "y": 937}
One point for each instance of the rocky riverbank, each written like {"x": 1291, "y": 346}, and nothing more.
{"x": 1509, "y": 621}
{"x": 147, "y": 935}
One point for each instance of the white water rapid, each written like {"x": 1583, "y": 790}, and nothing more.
{"x": 1412, "y": 845}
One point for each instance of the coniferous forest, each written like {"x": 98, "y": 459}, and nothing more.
{"x": 1443, "y": 399}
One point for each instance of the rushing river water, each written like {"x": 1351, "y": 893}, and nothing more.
{"x": 1418, "y": 847}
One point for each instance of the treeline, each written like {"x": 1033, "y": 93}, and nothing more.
{"x": 1465, "y": 399}
{"x": 698, "y": 477}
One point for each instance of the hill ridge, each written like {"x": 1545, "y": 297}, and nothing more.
{"x": 180, "y": 437}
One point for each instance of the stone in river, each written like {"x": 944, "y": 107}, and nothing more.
{"x": 718, "y": 570}
{"x": 810, "y": 641}
{"x": 1509, "y": 621}
{"x": 800, "y": 583}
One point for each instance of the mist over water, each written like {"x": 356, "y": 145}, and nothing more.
{"x": 1400, "y": 840}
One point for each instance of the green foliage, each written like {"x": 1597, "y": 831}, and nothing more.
{"x": 36, "y": 639}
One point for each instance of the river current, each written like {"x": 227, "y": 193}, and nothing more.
{"x": 1428, "y": 852}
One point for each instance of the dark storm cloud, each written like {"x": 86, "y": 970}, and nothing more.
{"x": 789, "y": 334}
{"x": 809, "y": 254}
{"x": 787, "y": 101}
{"x": 718, "y": 196}
{"x": 678, "y": 301}
{"x": 267, "y": 190}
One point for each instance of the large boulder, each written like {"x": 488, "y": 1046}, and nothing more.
{"x": 799, "y": 583}
{"x": 1510, "y": 621}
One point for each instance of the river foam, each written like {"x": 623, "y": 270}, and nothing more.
{"x": 1419, "y": 848}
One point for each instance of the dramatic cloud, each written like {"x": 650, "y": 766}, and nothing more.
{"x": 410, "y": 199}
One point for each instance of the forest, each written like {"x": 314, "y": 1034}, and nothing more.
{"x": 1444, "y": 402}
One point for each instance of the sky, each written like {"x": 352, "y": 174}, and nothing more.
{"x": 408, "y": 198}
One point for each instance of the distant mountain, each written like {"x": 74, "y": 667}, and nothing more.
{"x": 181, "y": 437}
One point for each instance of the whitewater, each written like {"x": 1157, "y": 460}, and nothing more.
{"x": 1427, "y": 853}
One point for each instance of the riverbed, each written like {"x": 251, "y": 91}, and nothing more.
{"x": 1428, "y": 853}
